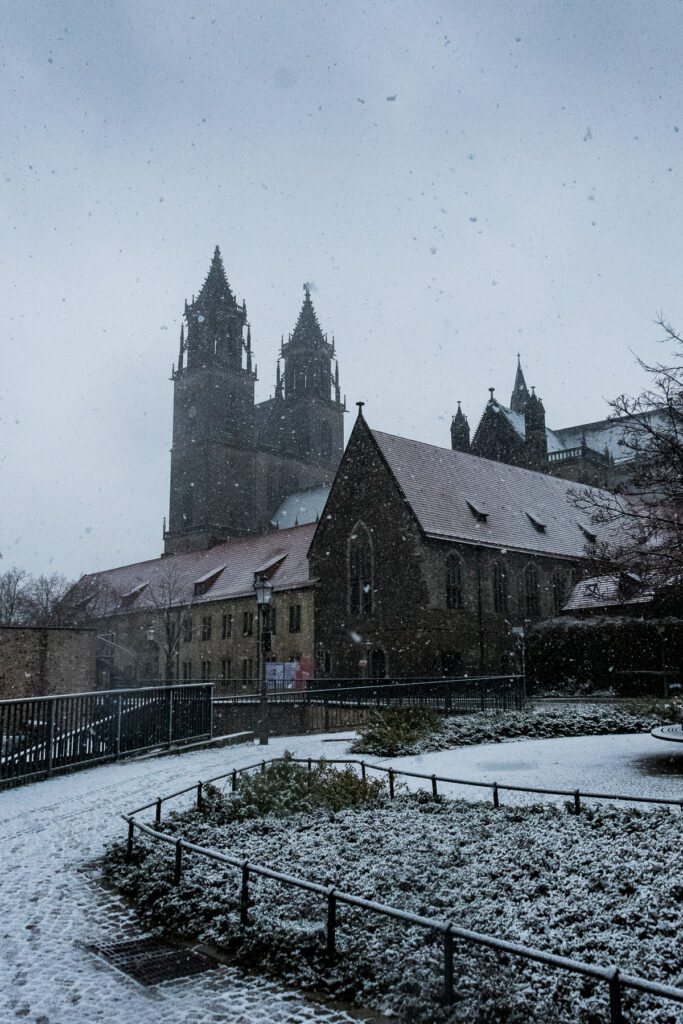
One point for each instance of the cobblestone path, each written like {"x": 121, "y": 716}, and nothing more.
{"x": 51, "y": 910}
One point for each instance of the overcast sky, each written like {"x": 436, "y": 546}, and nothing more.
{"x": 459, "y": 180}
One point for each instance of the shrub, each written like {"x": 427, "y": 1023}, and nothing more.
{"x": 395, "y": 730}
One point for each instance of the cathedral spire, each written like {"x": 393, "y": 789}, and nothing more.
{"x": 520, "y": 394}
{"x": 460, "y": 432}
{"x": 182, "y": 348}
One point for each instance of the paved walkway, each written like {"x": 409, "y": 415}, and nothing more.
{"x": 51, "y": 908}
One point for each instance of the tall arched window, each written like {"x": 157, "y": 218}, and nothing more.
{"x": 360, "y": 571}
{"x": 559, "y": 591}
{"x": 531, "y": 590}
{"x": 453, "y": 582}
{"x": 499, "y": 580}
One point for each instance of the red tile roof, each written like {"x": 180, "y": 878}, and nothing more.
{"x": 518, "y": 509}
{"x": 172, "y": 578}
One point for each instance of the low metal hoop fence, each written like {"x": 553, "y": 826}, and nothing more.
{"x": 615, "y": 979}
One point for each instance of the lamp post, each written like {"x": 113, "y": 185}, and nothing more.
{"x": 263, "y": 589}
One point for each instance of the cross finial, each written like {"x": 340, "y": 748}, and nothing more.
{"x": 491, "y": 390}
{"x": 360, "y": 407}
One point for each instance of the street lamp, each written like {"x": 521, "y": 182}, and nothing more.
{"x": 263, "y": 589}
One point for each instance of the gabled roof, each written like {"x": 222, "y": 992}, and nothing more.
{"x": 227, "y": 568}
{"x": 608, "y": 592}
{"x": 441, "y": 486}
{"x": 606, "y": 435}
{"x": 516, "y": 421}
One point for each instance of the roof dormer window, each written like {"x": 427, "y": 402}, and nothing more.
{"x": 538, "y": 526}
{"x": 479, "y": 514}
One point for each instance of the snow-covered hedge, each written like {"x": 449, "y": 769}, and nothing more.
{"x": 381, "y": 737}
{"x": 603, "y": 887}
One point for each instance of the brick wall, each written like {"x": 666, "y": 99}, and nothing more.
{"x": 36, "y": 661}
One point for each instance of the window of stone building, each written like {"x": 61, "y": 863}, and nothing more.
{"x": 206, "y": 671}
{"x": 187, "y": 631}
{"x": 271, "y": 620}
{"x": 226, "y": 627}
{"x": 226, "y": 669}
{"x": 559, "y": 591}
{"x": 186, "y": 669}
{"x": 247, "y": 670}
{"x": 206, "y": 627}
{"x": 248, "y": 623}
{"x": 360, "y": 571}
{"x": 453, "y": 582}
{"x": 295, "y": 618}
{"x": 499, "y": 579}
{"x": 531, "y": 590}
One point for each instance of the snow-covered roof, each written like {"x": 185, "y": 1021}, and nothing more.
{"x": 608, "y": 591}
{"x": 301, "y": 507}
{"x": 442, "y": 485}
{"x": 516, "y": 420}
{"x": 604, "y": 435}
{"x": 225, "y": 571}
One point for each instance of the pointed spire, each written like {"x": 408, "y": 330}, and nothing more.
{"x": 182, "y": 348}
{"x": 520, "y": 395}
{"x": 307, "y": 332}
{"x": 278, "y": 381}
{"x": 216, "y": 287}
{"x": 460, "y": 432}
{"x": 336, "y": 382}
{"x": 248, "y": 348}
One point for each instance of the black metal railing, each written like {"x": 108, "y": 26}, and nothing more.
{"x": 326, "y": 708}
{"x": 612, "y": 976}
{"x": 43, "y": 735}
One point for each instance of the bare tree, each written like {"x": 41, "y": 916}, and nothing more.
{"x": 172, "y": 610}
{"x": 42, "y": 601}
{"x": 12, "y": 583}
{"x": 645, "y": 511}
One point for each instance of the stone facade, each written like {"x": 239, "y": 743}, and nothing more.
{"x": 36, "y": 661}
{"x": 436, "y": 604}
{"x": 233, "y": 461}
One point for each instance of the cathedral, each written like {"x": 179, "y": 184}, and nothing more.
{"x": 588, "y": 453}
{"x": 235, "y": 462}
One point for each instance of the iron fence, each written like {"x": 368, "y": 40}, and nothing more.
{"x": 42, "y": 735}
{"x": 346, "y": 705}
{"x": 612, "y": 976}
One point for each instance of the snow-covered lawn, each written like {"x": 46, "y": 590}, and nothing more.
{"x": 604, "y": 887}
{"x": 50, "y": 911}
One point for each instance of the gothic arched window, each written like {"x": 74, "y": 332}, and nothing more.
{"x": 559, "y": 591}
{"x": 499, "y": 580}
{"x": 453, "y": 582}
{"x": 531, "y": 590}
{"x": 360, "y": 571}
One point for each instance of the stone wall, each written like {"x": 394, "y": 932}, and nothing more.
{"x": 37, "y": 661}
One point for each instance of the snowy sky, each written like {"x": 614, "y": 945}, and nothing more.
{"x": 458, "y": 179}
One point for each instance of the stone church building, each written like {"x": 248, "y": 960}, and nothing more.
{"x": 234, "y": 461}
{"x": 588, "y": 453}
{"x": 429, "y": 559}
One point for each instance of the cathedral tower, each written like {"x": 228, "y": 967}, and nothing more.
{"x": 213, "y": 419}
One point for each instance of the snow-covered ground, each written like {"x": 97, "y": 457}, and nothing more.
{"x": 51, "y": 910}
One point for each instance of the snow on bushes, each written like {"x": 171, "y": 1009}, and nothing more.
{"x": 603, "y": 886}
{"x": 384, "y": 737}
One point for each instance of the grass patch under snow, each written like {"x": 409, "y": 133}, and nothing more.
{"x": 603, "y": 886}
{"x": 400, "y": 730}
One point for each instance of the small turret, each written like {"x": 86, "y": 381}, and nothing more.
{"x": 460, "y": 432}
{"x": 535, "y": 434}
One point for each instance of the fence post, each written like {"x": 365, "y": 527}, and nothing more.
{"x": 129, "y": 845}
{"x": 158, "y": 811}
{"x": 362, "y": 772}
{"x": 448, "y": 994}
{"x": 615, "y": 1016}
{"x": 178, "y": 861}
{"x": 434, "y": 790}
{"x": 211, "y": 712}
{"x": 118, "y": 727}
{"x": 391, "y": 784}
{"x": 495, "y": 794}
{"x": 331, "y": 924}
{"x": 244, "y": 894}
{"x": 200, "y": 802}
{"x": 50, "y": 735}
{"x": 234, "y": 779}
{"x": 327, "y": 715}
{"x": 170, "y": 715}
{"x": 577, "y": 801}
